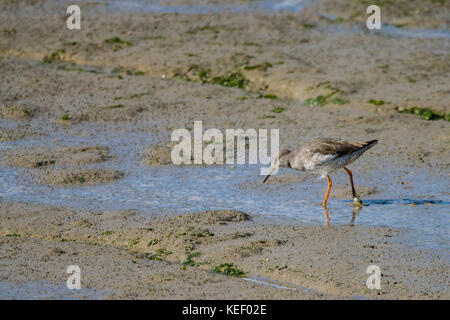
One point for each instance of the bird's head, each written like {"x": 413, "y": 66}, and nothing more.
{"x": 282, "y": 160}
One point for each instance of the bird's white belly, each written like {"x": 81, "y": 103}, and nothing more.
{"x": 316, "y": 160}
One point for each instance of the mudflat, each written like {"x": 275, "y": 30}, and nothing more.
{"x": 123, "y": 255}
{"x": 131, "y": 78}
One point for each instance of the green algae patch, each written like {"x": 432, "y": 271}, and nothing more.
{"x": 117, "y": 43}
{"x": 322, "y": 100}
{"x": 160, "y": 255}
{"x": 13, "y": 235}
{"x": 425, "y": 113}
{"x": 229, "y": 269}
{"x": 318, "y": 101}
{"x": 270, "y": 96}
{"x": 251, "y": 44}
{"x": 153, "y": 242}
{"x": 376, "y": 102}
{"x": 278, "y": 110}
{"x": 55, "y": 57}
{"x": 339, "y": 101}
{"x": 190, "y": 260}
{"x": 229, "y": 79}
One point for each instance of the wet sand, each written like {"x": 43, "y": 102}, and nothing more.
{"x": 130, "y": 257}
{"x": 156, "y": 75}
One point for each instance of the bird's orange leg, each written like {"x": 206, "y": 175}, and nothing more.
{"x": 327, "y": 216}
{"x": 356, "y": 200}
{"x": 350, "y": 174}
{"x": 328, "y": 192}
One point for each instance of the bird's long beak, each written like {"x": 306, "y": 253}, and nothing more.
{"x": 270, "y": 173}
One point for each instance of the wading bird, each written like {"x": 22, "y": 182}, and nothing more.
{"x": 323, "y": 157}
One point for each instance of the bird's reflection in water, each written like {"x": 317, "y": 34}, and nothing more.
{"x": 327, "y": 216}
{"x": 355, "y": 211}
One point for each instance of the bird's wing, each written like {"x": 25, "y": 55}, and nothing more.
{"x": 321, "y": 151}
{"x": 335, "y": 147}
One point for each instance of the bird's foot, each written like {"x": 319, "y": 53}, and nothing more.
{"x": 357, "y": 203}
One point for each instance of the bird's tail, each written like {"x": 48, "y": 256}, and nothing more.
{"x": 368, "y": 145}
{"x": 364, "y": 147}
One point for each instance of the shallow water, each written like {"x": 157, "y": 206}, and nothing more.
{"x": 275, "y": 284}
{"x": 422, "y": 209}
{"x": 388, "y": 30}
{"x": 43, "y": 290}
{"x": 158, "y": 6}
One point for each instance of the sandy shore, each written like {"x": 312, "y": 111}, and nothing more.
{"x": 155, "y": 72}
